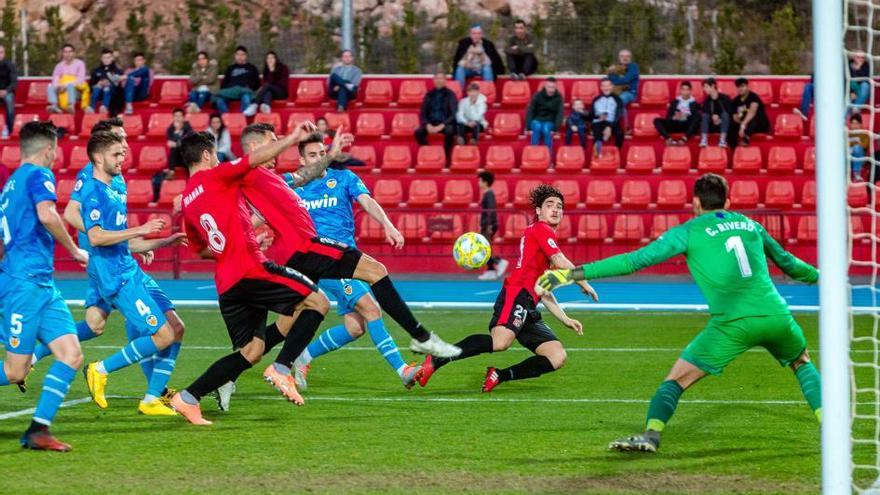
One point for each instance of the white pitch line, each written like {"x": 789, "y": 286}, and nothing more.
{"x": 31, "y": 410}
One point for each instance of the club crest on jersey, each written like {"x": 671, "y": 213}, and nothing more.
{"x": 152, "y": 320}
{"x": 14, "y": 342}
{"x": 348, "y": 289}
{"x": 552, "y": 243}
{"x": 78, "y": 185}
{"x": 95, "y": 215}
{"x": 331, "y": 183}
{"x": 49, "y": 186}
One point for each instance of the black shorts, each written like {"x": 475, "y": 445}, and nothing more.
{"x": 326, "y": 258}
{"x": 247, "y": 304}
{"x": 518, "y": 313}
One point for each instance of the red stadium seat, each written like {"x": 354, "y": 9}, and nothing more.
{"x": 601, "y": 194}
{"x": 712, "y": 159}
{"x": 165, "y": 232}
{"x": 516, "y": 93}
{"x": 404, "y": 124}
{"x": 288, "y": 160}
{"x": 779, "y": 194}
{"x": 808, "y": 229}
{"x": 311, "y": 92}
{"x": 152, "y": 158}
{"x": 88, "y": 121}
{"x": 781, "y": 160}
{"x": 63, "y": 190}
{"x": 370, "y": 125}
{"x": 747, "y": 160}
{"x": 465, "y": 158}
{"x": 672, "y": 194}
{"x": 370, "y": 230}
{"x": 570, "y": 159}
{"x": 570, "y": 190}
{"x": 79, "y": 157}
{"x": 644, "y": 125}
{"x": 502, "y": 195}
{"x": 810, "y": 159}
{"x": 378, "y": 93}
{"x": 388, "y": 192}
{"x": 397, "y": 158}
{"x": 857, "y": 195}
{"x": 200, "y": 120}
{"x": 487, "y": 88}
{"x": 296, "y": 118}
{"x": 563, "y": 231}
{"x": 641, "y": 159}
{"x": 38, "y": 93}
{"x": 778, "y": 226}
{"x": 585, "y": 91}
{"x": 726, "y": 86}
{"x": 592, "y": 228}
{"x": 453, "y": 86}
{"x": 133, "y": 125}
{"x": 788, "y": 125}
{"x": 273, "y": 118}
{"x": 790, "y": 93}
{"x": 445, "y": 227}
{"x": 11, "y": 157}
{"x": 676, "y": 159}
{"x": 170, "y": 190}
{"x": 365, "y": 153}
{"x": 514, "y": 227}
{"x": 629, "y": 228}
{"x": 661, "y": 223}
{"x": 412, "y": 92}
{"x": 158, "y": 124}
{"x": 173, "y": 93}
{"x": 412, "y": 225}
{"x": 140, "y": 192}
{"x": 500, "y": 158}
{"x": 607, "y": 162}
{"x": 521, "y": 192}
{"x": 64, "y": 120}
{"x": 696, "y": 90}
{"x": 636, "y": 194}
{"x": 335, "y": 120}
{"x": 22, "y": 119}
{"x": 235, "y": 123}
{"x": 764, "y": 90}
{"x": 458, "y": 193}
{"x": 808, "y": 195}
{"x": 507, "y": 125}
{"x": 654, "y": 93}
{"x": 422, "y": 192}
{"x": 430, "y": 158}
{"x": 535, "y": 158}
{"x": 745, "y": 194}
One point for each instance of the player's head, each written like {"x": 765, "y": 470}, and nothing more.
{"x": 113, "y": 124}
{"x": 485, "y": 179}
{"x": 39, "y": 143}
{"x": 548, "y": 203}
{"x": 710, "y": 193}
{"x": 197, "y": 150}
{"x": 107, "y": 151}
{"x": 256, "y": 135}
{"x": 312, "y": 149}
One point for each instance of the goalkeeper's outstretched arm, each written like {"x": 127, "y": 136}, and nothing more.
{"x": 790, "y": 264}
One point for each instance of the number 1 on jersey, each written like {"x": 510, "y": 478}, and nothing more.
{"x": 4, "y": 230}
{"x": 735, "y": 244}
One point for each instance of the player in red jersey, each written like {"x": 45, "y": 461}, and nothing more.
{"x": 516, "y": 314}
{"x": 218, "y": 226}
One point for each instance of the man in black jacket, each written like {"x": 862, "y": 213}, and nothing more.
{"x": 8, "y": 83}
{"x": 683, "y": 115}
{"x": 240, "y": 82}
{"x": 104, "y": 81}
{"x": 476, "y": 40}
{"x": 717, "y": 109}
{"x": 438, "y": 114}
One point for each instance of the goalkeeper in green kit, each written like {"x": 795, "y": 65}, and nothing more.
{"x": 727, "y": 255}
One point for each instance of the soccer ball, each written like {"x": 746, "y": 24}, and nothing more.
{"x": 471, "y": 251}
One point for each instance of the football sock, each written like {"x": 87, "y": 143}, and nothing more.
{"x": 811, "y": 385}
{"x": 472, "y": 345}
{"x": 273, "y": 337}
{"x": 83, "y": 333}
{"x": 663, "y": 405}
{"x": 300, "y": 335}
{"x": 146, "y": 363}
{"x": 532, "y": 367}
{"x": 133, "y": 352}
{"x": 55, "y": 388}
{"x": 225, "y": 369}
{"x": 385, "y": 344}
{"x": 163, "y": 366}
{"x": 329, "y": 341}
{"x": 391, "y": 302}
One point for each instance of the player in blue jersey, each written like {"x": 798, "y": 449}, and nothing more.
{"x": 120, "y": 280}
{"x": 32, "y": 308}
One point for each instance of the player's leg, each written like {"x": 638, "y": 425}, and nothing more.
{"x": 784, "y": 339}
{"x": 164, "y": 360}
{"x": 311, "y": 312}
{"x": 368, "y": 314}
{"x": 342, "y": 291}
{"x": 97, "y": 312}
{"x": 549, "y": 356}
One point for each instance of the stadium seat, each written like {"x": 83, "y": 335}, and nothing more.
{"x": 311, "y": 92}
{"x": 38, "y": 93}
{"x": 500, "y": 158}
{"x": 370, "y": 230}
{"x": 629, "y": 228}
{"x": 365, "y": 153}
{"x": 430, "y": 158}
{"x": 453, "y": 86}
{"x": 404, "y": 124}
{"x": 726, "y": 86}
{"x": 643, "y": 126}
{"x": 10, "y": 157}
{"x": 661, "y": 223}
{"x": 63, "y": 190}
{"x": 747, "y": 160}
{"x": 514, "y": 226}
{"x": 295, "y": 118}
{"x": 654, "y": 93}
{"x": 585, "y": 91}
{"x": 781, "y": 160}
{"x": 535, "y": 159}
{"x": 641, "y": 159}
{"x": 563, "y": 231}
{"x": 635, "y": 194}
{"x": 764, "y": 90}
{"x": 378, "y": 93}
{"x": 810, "y": 159}
{"x": 808, "y": 195}
{"x": 133, "y": 220}
{"x": 173, "y": 93}
{"x": 140, "y": 192}
{"x": 169, "y": 224}
{"x": 857, "y": 195}
{"x": 235, "y": 123}
{"x": 779, "y": 194}
{"x": 152, "y": 158}
{"x": 788, "y": 125}
{"x": 158, "y": 124}
{"x": 412, "y": 225}
{"x": 88, "y": 121}
{"x": 672, "y": 194}
{"x": 465, "y": 158}
{"x": 79, "y": 157}
{"x": 445, "y": 227}
{"x": 22, "y": 119}
{"x": 199, "y": 121}
{"x": 570, "y": 189}
{"x": 607, "y": 162}
{"x": 507, "y": 125}
{"x": 337, "y": 119}
{"x": 516, "y": 93}
{"x": 412, "y": 92}
{"x": 396, "y": 158}
{"x": 808, "y": 229}
{"x": 273, "y": 118}
{"x": 592, "y": 228}
{"x": 744, "y": 194}
{"x": 778, "y": 226}
{"x": 171, "y": 189}
{"x": 370, "y": 125}
{"x": 521, "y": 192}
{"x": 676, "y": 159}
{"x": 288, "y": 160}
{"x": 133, "y": 125}
{"x": 63, "y": 120}
{"x": 502, "y": 194}
{"x": 712, "y": 159}
{"x": 790, "y": 93}
{"x": 570, "y": 159}
{"x": 422, "y": 192}
{"x": 601, "y": 194}
{"x": 388, "y": 192}
{"x": 458, "y": 193}
{"x": 487, "y": 88}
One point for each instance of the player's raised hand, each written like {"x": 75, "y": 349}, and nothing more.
{"x": 147, "y": 257}
{"x": 176, "y": 238}
{"x": 393, "y": 237}
{"x": 303, "y": 130}
{"x": 553, "y": 279}
{"x": 264, "y": 240}
{"x": 575, "y": 325}
{"x": 81, "y": 256}
{"x": 153, "y": 226}
{"x": 177, "y": 204}
{"x": 341, "y": 141}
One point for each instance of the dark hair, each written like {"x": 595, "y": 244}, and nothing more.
{"x": 217, "y": 115}
{"x": 519, "y": 21}
{"x": 176, "y": 110}
{"x": 34, "y": 135}
{"x": 67, "y": 45}
{"x": 107, "y": 125}
{"x": 137, "y": 54}
{"x": 542, "y": 193}
{"x": 315, "y": 137}
{"x": 487, "y": 177}
{"x": 272, "y": 52}
{"x": 711, "y": 82}
{"x": 100, "y": 141}
{"x": 241, "y": 48}
{"x": 604, "y": 79}
{"x": 320, "y": 119}
{"x": 712, "y": 191}
{"x": 346, "y": 50}
{"x": 857, "y": 117}
{"x": 256, "y": 129}
{"x": 192, "y": 146}
{"x": 550, "y": 79}
{"x": 741, "y": 81}
{"x": 685, "y": 84}
{"x": 105, "y": 51}
{"x": 202, "y": 52}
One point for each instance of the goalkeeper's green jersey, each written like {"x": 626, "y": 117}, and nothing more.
{"x": 727, "y": 254}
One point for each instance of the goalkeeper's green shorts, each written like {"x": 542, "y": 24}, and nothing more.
{"x": 720, "y": 342}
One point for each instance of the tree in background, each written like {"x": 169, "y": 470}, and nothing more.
{"x": 727, "y": 58}
{"x": 787, "y": 47}
{"x": 44, "y": 52}
{"x": 406, "y": 49}
{"x": 268, "y": 35}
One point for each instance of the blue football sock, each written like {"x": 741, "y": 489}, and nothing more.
{"x": 385, "y": 344}
{"x": 163, "y": 366}
{"x": 55, "y": 388}
{"x": 330, "y": 340}
{"x": 135, "y": 351}
{"x": 3, "y": 379}
{"x": 147, "y": 363}
{"x": 83, "y": 333}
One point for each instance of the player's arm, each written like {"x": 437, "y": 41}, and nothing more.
{"x": 559, "y": 260}
{"x": 195, "y": 241}
{"x": 790, "y": 264}
{"x": 141, "y": 245}
{"x": 49, "y": 217}
{"x": 556, "y": 310}
{"x": 310, "y": 172}
{"x": 72, "y": 215}
{"x": 377, "y": 213}
{"x": 100, "y": 237}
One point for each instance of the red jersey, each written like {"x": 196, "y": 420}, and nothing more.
{"x": 283, "y": 210}
{"x": 537, "y": 245}
{"x": 217, "y": 217}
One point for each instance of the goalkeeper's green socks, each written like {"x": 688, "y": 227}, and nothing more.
{"x": 663, "y": 405}
{"x": 811, "y": 385}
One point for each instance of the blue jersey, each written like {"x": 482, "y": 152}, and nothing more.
{"x": 29, "y": 246}
{"x": 111, "y": 266}
{"x": 84, "y": 175}
{"x": 329, "y": 201}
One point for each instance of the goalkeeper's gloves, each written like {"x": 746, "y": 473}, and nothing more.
{"x": 552, "y": 279}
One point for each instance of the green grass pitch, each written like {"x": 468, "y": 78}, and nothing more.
{"x": 362, "y": 432}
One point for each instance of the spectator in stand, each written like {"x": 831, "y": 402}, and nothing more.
{"x": 222, "y": 138}
{"x": 683, "y": 115}
{"x": 606, "y": 111}
{"x": 240, "y": 81}
{"x": 275, "y": 78}
{"x": 496, "y": 266}
{"x": 860, "y": 75}
{"x": 471, "y": 115}
{"x": 104, "y": 81}
{"x": 544, "y": 113}
{"x": 577, "y": 122}
{"x": 806, "y": 100}
{"x": 69, "y": 77}
{"x": 476, "y": 56}
{"x": 717, "y": 108}
{"x": 325, "y": 129}
{"x": 345, "y": 77}
{"x": 625, "y": 77}
{"x": 137, "y": 81}
{"x": 8, "y": 83}
{"x": 859, "y": 145}
{"x": 204, "y": 81}
{"x": 437, "y": 115}
{"x": 178, "y": 129}
{"x": 750, "y": 116}
{"x": 520, "y": 50}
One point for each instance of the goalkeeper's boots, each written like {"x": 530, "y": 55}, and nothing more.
{"x": 96, "y": 383}
{"x": 192, "y": 412}
{"x": 284, "y": 383}
{"x": 435, "y": 346}
{"x": 223, "y": 395}
{"x": 155, "y": 407}
{"x": 492, "y": 379}
{"x": 426, "y": 370}
{"x": 409, "y": 374}
{"x": 646, "y": 442}
{"x": 41, "y": 439}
